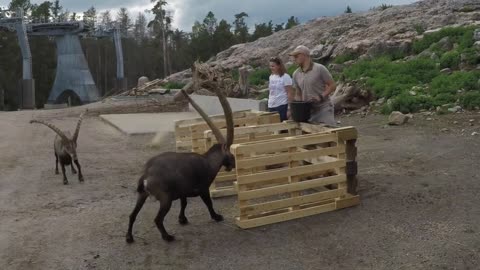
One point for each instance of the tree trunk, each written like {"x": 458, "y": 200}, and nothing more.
{"x": 2, "y": 99}
{"x": 164, "y": 41}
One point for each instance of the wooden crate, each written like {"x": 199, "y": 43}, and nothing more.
{"x": 186, "y": 129}
{"x": 293, "y": 177}
{"x": 223, "y": 184}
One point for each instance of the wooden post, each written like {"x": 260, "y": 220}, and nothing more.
{"x": 352, "y": 168}
{"x": 243, "y": 81}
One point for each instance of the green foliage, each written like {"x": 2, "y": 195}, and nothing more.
{"x": 263, "y": 95}
{"x": 456, "y": 81}
{"x": 262, "y": 30}
{"x": 406, "y": 103}
{"x": 471, "y": 100}
{"x": 291, "y": 69}
{"x": 389, "y": 78}
{"x": 259, "y": 76}
{"x": 472, "y": 56}
{"x": 460, "y": 35}
{"x": 420, "y": 28}
{"x": 173, "y": 85}
{"x": 348, "y": 9}
{"x": 292, "y": 21}
{"x": 384, "y": 6}
{"x": 450, "y": 60}
{"x": 345, "y": 57}
{"x": 443, "y": 98}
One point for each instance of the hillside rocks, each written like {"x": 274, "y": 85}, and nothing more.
{"x": 362, "y": 34}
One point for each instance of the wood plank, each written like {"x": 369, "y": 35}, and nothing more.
{"x": 284, "y": 143}
{"x": 259, "y": 208}
{"x": 226, "y": 177}
{"x": 298, "y": 171}
{"x": 281, "y": 189}
{"x": 283, "y": 158}
{"x": 250, "y": 223}
{"x": 348, "y": 201}
{"x": 257, "y": 129}
{"x": 223, "y": 192}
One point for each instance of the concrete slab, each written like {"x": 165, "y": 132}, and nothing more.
{"x": 146, "y": 123}
{"x": 211, "y": 105}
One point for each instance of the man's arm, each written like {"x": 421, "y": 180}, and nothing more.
{"x": 330, "y": 87}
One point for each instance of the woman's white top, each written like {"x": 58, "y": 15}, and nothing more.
{"x": 278, "y": 92}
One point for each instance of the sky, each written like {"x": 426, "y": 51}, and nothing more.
{"x": 186, "y": 12}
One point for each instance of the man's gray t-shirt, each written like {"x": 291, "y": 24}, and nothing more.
{"x": 312, "y": 81}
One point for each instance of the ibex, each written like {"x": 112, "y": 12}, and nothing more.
{"x": 171, "y": 176}
{"x": 65, "y": 147}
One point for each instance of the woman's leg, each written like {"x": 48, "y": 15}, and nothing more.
{"x": 282, "y": 111}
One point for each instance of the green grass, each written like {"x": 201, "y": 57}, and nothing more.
{"x": 450, "y": 84}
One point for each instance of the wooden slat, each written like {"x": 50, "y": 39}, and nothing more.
{"x": 298, "y": 171}
{"x": 348, "y": 201}
{"x": 223, "y": 192}
{"x": 250, "y": 223}
{"x": 281, "y": 189}
{"x": 275, "y": 145}
{"x": 259, "y": 208}
{"x": 282, "y": 158}
{"x": 225, "y": 177}
{"x": 258, "y": 129}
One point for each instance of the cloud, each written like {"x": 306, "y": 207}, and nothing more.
{"x": 186, "y": 12}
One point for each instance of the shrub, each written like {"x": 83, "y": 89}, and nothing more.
{"x": 384, "y": 6}
{"x": 340, "y": 59}
{"x": 407, "y": 104}
{"x": 259, "y": 76}
{"x": 450, "y": 84}
{"x": 450, "y": 60}
{"x": 173, "y": 85}
{"x": 460, "y": 35}
{"x": 420, "y": 28}
{"x": 471, "y": 100}
{"x": 443, "y": 98}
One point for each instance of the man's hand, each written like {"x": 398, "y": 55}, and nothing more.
{"x": 318, "y": 99}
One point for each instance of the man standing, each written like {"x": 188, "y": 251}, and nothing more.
{"x": 313, "y": 82}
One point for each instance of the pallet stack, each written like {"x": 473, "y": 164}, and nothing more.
{"x": 294, "y": 177}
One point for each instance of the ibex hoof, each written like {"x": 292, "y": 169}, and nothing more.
{"x": 129, "y": 239}
{"x": 183, "y": 220}
{"x": 168, "y": 238}
{"x": 81, "y": 179}
{"x": 218, "y": 218}
{"x": 56, "y": 172}
{"x": 65, "y": 182}
{"x": 74, "y": 172}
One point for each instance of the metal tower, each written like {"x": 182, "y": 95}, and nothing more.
{"x": 13, "y": 21}
{"x": 73, "y": 78}
{"x": 121, "y": 81}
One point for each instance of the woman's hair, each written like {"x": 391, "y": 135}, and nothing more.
{"x": 279, "y": 63}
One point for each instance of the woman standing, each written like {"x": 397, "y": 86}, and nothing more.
{"x": 280, "y": 88}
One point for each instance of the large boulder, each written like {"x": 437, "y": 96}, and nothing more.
{"x": 142, "y": 81}
{"x": 397, "y": 118}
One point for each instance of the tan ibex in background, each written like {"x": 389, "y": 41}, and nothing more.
{"x": 65, "y": 147}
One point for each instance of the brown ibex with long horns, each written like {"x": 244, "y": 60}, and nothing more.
{"x": 65, "y": 147}
{"x": 171, "y": 176}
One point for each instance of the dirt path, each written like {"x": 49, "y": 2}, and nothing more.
{"x": 420, "y": 206}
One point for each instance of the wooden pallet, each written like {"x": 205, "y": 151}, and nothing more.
{"x": 189, "y": 133}
{"x": 293, "y": 177}
{"x": 223, "y": 184}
